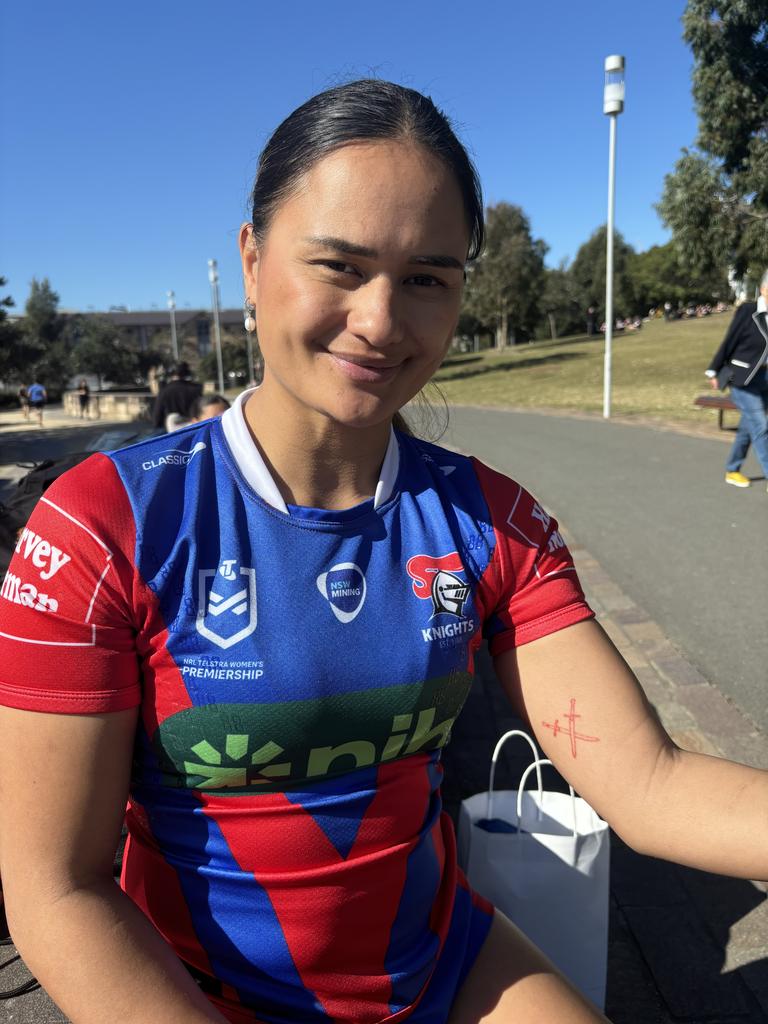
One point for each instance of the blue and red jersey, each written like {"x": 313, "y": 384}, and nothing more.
{"x": 298, "y": 672}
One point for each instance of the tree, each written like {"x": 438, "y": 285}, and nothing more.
{"x": 561, "y": 303}
{"x": 101, "y": 349}
{"x": 659, "y": 276}
{"x": 15, "y": 355}
{"x": 45, "y": 335}
{"x": 716, "y": 199}
{"x": 588, "y": 274}
{"x": 504, "y": 286}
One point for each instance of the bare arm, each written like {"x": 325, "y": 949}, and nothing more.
{"x": 63, "y": 787}
{"x": 592, "y": 719}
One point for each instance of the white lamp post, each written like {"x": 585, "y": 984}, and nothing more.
{"x": 172, "y": 311}
{"x": 213, "y": 277}
{"x": 613, "y": 105}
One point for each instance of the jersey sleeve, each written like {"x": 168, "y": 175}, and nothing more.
{"x": 67, "y": 618}
{"x": 531, "y": 587}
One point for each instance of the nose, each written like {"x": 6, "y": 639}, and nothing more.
{"x": 375, "y": 313}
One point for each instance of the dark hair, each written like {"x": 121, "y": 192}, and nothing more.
{"x": 203, "y": 401}
{"x": 360, "y": 111}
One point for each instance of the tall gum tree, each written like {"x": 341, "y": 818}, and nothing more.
{"x": 505, "y": 285}
{"x": 716, "y": 199}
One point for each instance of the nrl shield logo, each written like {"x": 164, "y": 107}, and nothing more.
{"x": 226, "y": 609}
{"x": 343, "y": 587}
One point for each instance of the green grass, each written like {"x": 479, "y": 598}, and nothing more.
{"x": 657, "y": 372}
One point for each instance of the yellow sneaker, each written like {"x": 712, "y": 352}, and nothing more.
{"x": 737, "y": 479}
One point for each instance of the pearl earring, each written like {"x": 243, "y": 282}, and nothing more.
{"x": 249, "y": 319}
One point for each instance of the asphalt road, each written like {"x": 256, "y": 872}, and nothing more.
{"x": 652, "y": 506}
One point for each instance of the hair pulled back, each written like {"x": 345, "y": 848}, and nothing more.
{"x": 362, "y": 111}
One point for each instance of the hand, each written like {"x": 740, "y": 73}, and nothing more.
{"x": 713, "y": 383}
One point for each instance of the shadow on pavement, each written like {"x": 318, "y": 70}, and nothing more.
{"x": 507, "y": 364}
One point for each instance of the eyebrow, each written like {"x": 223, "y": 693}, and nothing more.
{"x": 352, "y": 249}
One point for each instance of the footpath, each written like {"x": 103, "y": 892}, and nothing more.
{"x": 684, "y": 945}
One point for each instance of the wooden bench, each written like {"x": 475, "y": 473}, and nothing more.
{"x": 715, "y": 401}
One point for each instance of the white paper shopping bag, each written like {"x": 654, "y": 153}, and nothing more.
{"x": 543, "y": 858}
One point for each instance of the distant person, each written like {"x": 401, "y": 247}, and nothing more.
{"x": 84, "y": 397}
{"x": 741, "y": 363}
{"x": 24, "y": 401}
{"x": 206, "y": 407}
{"x": 591, "y": 321}
{"x": 176, "y": 397}
{"x": 37, "y": 397}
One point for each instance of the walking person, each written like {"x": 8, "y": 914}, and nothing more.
{"x": 174, "y": 401}
{"x": 24, "y": 401}
{"x": 84, "y": 398}
{"x": 37, "y": 397}
{"x": 741, "y": 362}
{"x": 262, "y": 628}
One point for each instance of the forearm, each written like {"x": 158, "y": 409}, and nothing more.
{"x": 120, "y": 960}
{"x": 705, "y": 812}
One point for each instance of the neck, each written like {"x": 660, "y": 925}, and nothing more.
{"x": 315, "y": 461}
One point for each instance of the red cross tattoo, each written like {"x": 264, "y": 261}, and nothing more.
{"x": 570, "y": 729}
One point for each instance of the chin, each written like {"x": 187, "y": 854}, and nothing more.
{"x": 360, "y": 415}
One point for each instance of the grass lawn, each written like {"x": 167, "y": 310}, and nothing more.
{"x": 657, "y": 372}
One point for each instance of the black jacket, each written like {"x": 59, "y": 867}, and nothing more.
{"x": 178, "y": 396}
{"x": 744, "y": 348}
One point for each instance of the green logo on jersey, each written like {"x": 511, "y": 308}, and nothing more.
{"x": 263, "y": 748}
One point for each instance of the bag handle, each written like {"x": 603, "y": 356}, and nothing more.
{"x": 494, "y": 759}
{"x": 537, "y": 765}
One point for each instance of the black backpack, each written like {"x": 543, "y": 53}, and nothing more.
{"x": 15, "y": 513}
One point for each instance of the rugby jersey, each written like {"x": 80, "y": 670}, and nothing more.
{"x": 298, "y": 672}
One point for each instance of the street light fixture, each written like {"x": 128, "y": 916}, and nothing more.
{"x": 613, "y": 105}
{"x": 213, "y": 277}
{"x": 172, "y": 310}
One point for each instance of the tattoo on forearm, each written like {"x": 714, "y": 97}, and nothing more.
{"x": 570, "y": 729}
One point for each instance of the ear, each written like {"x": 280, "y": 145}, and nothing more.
{"x": 249, "y": 256}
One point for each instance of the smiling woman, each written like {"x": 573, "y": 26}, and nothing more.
{"x": 264, "y": 640}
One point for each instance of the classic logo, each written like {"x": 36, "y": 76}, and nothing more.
{"x": 436, "y": 578}
{"x": 174, "y": 456}
{"x": 227, "y": 614}
{"x": 344, "y": 588}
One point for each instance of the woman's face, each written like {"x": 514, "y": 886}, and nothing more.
{"x": 358, "y": 283}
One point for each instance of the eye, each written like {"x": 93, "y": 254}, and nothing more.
{"x": 426, "y": 281}
{"x": 338, "y": 266}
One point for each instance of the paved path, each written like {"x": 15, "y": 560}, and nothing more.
{"x": 653, "y": 507}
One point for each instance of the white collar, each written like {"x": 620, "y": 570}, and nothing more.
{"x": 762, "y": 305}
{"x": 254, "y": 469}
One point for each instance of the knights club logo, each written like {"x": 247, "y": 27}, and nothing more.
{"x": 344, "y": 588}
{"x": 437, "y": 578}
{"x": 226, "y": 603}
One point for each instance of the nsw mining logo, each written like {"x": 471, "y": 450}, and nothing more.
{"x": 226, "y": 608}
{"x": 344, "y": 588}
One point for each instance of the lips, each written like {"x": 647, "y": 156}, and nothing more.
{"x": 368, "y": 372}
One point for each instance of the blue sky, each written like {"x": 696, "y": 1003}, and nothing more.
{"x": 130, "y": 132}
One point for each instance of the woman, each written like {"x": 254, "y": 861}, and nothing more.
{"x": 84, "y": 397}
{"x": 742, "y": 362}
{"x": 266, "y": 629}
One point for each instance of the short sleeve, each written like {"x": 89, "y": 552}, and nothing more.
{"x": 531, "y": 587}
{"x": 67, "y": 631}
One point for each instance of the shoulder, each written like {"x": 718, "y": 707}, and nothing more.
{"x": 471, "y": 484}
{"x": 745, "y": 311}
